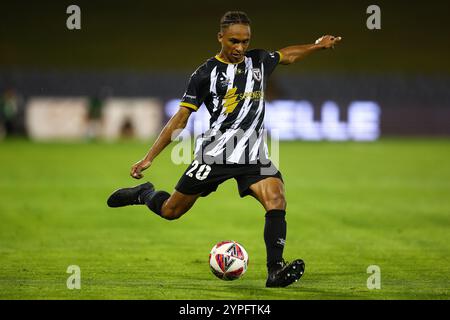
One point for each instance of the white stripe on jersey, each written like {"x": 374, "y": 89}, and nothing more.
{"x": 215, "y": 126}
{"x": 230, "y": 74}
{"x": 249, "y": 86}
{"x": 241, "y": 145}
{"x": 253, "y": 156}
{"x": 212, "y": 87}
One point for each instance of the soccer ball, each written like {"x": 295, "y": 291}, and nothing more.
{"x": 228, "y": 260}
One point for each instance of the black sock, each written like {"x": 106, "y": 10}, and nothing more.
{"x": 154, "y": 200}
{"x": 275, "y": 236}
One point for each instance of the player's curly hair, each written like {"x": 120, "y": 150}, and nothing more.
{"x": 233, "y": 17}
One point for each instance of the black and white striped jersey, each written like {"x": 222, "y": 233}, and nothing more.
{"x": 234, "y": 97}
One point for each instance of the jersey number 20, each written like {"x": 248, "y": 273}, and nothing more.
{"x": 202, "y": 172}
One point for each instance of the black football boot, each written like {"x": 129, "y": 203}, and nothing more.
{"x": 285, "y": 273}
{"x": 129, "y": 196}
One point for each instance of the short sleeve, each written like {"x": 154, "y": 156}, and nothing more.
{"x": 195, "y": 92}
{"x": 270, "y": 60}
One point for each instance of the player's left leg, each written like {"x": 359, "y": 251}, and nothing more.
{"x": 270, "y": 193}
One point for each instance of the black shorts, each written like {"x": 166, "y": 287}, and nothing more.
{"x": 204, "y": 179}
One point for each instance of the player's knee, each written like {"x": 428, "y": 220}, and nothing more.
{"x": 276, "y": 201}
{"x": 171, "y": 213}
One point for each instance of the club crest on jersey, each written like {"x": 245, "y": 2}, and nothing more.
{"x": 257, "y": 74}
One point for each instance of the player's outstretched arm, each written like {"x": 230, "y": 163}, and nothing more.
{"x": 293, "y": 54}
{"x": 171, "y": 129}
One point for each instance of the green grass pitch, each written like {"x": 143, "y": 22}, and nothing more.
{"x": 350, "y": 205}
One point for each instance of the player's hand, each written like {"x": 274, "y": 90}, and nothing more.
{"x": 328, "y": 41}
{"x": 138, "y": 167}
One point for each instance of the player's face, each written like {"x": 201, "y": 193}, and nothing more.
{"x": 235, "y": 40}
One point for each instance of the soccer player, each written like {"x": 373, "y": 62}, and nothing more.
{"x": 231, "y": 86}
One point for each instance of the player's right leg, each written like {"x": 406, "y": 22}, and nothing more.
{"x": 168, "y": 206}
{"x": 198, "y": 180}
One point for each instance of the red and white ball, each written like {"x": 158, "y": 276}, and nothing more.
{"x": 228, "y": 260}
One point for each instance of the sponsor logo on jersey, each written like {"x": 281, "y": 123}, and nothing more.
{"x": 231, "y": 99}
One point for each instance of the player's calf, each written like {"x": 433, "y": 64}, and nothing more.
{"x": 154, "y": 200}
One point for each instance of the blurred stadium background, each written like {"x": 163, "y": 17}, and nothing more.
{"x": 397, "y": 76}
{"x": 65, "y": 93}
